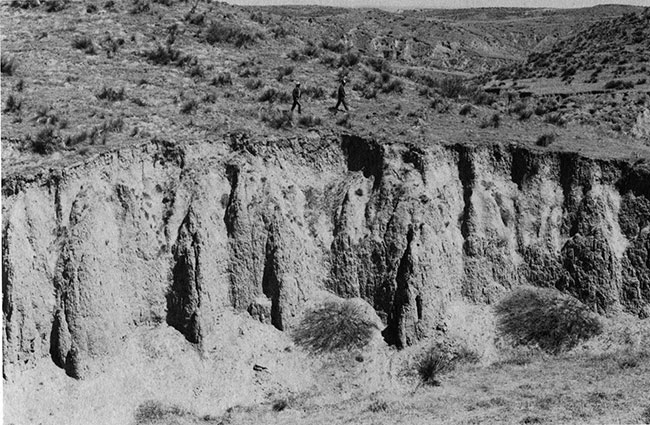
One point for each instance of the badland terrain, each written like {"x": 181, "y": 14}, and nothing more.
{"x": 469, "y": 243}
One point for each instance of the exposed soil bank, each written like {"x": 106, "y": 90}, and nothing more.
{"x": 428, "y": 236}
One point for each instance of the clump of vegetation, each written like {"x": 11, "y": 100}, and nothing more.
{"x": 253, "y": 84}
{"x": 222, "y": 79}
{"x": 272, "y": 95}
{"x": 110, "y": 94}
{"x": 189, "y": 106}
{"x": 86, "y": 44}
{"x": 8, "y": 64}
{"x": 442, "y": 358}
{"x": 155, "y": 412}
{"x": 314, "y": 92}
{"x": 196, "y": 71}
{"x": 223, "y": 32}
{"x": 140, "y": 6}
{"x": 309, "y": 121}
{"x": 45, "y": 115}
{"x": 348, "y": 59}
{"x": 12, "y": 104}
{"x": 334, "y": 46}
{"x": 545, "y": 139}
{"x": 284, "y": 71}
{"x": 55, "y": 5}
{"x": 465, "y": 109}
{"x": 275, "y": 118}
{"x": 556, "y": 119}
{"x": 494, "y": 121}
{"x": 335, "y": 325}
{"x": 618, "y": 85}
{"x": 164, "y": 55}
{"x": 545, "y": 317}
{"x": 46, "y": 141}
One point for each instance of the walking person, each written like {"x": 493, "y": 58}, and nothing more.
{"x": 297, "y": 94}
{"x": 341, "y": 97}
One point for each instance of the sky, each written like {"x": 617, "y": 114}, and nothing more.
{"x": 417, "y": 4}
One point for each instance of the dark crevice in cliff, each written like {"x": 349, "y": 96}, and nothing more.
{"x": 230, "y": 216}
{"x": 467, "y": 177}
{"x": 184, "y": 296}
{"x": 271, "y": 285}
{"x": 635, "y": 179}
{"x": 523, "y": 166}
{"x": 394, "y": 333}
{"x": 364, "y": 155}
{"x": 417, "y": 157}
{"x": 7, "y": 304}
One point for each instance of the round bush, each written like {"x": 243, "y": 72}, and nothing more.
{"x": 335, "y": 325}
{"x": 546, "y": 317}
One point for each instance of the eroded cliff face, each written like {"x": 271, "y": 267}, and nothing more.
{"x": 161, "y": 234}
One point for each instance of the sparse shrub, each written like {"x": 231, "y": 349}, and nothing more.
{"x": 20, "y": 85}
{"x": 335, "y": 325}
{"x": 46, "y": 141}
{"x": 618, "y": 85}
{"x": 91, "y": 8}
{"x": 466, "y": 109}
{"x": 378, "y": 406}
{"x": 164, "y": 55}
{"x": 555, "y": 119}
{"x": 380, "y": 65}
{"x": 269, "y": 95}
{"x": 329, "y": 60}
{"x": 189, "y": 106}
{"x": 545, "y": 139}
{"x": 45, "y": 115}
{"x": 223, "y": 32}
{"x": 309, "y": 121}
{"x": 280, "y": 405}
{"x": 222, "y": 79}
{"x": 432, "y": 365}
{"x": 140, "y": 6}
{"x": 25, "y": 4}
{"x": 109, "y": 5}
{"x": 481, "y": 97}
{"x": 154, "y": 412}
{"x": 344, "y": 121}
{"x": 253, "y": 84}
{"x": 525, "y": 114}
{"x": 314, "y": 92}
{"x": 247, "y": 71}
{"x": 641, "y": 81}
{"x": 494, "y": 121}
{"x": 110, "y": 94}
{"x": 452, "y": 87}
{"x": 334, "y": 46}
{"x": 517, "y": 108}
{"x": 310, "y": 50}
{"x": 645, "y": 415}
{"x": 546, "y": 317}
{"x": 276, "y": 119}
{"x": 441, "y": 358}
{"x": 295, "y": 55}
{"x": 279, "y": 31}
{"x": 395, "y": 85}
{"x": 349, "y": 59}
{"x": 196, "y": 70}
{"x": 284, "y": 71}
{"x": 86, "y": 44}
{"x": 12, "y": 104}
{"x": 55, "y": 5}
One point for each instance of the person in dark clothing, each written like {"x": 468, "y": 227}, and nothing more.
{"x": 297, "y": 94}
{"x": 341, "y": 96}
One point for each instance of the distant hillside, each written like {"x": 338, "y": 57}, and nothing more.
{"x": 617, "y": 47}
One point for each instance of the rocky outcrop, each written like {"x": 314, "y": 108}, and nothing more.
{"x": 165, "y": 234}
